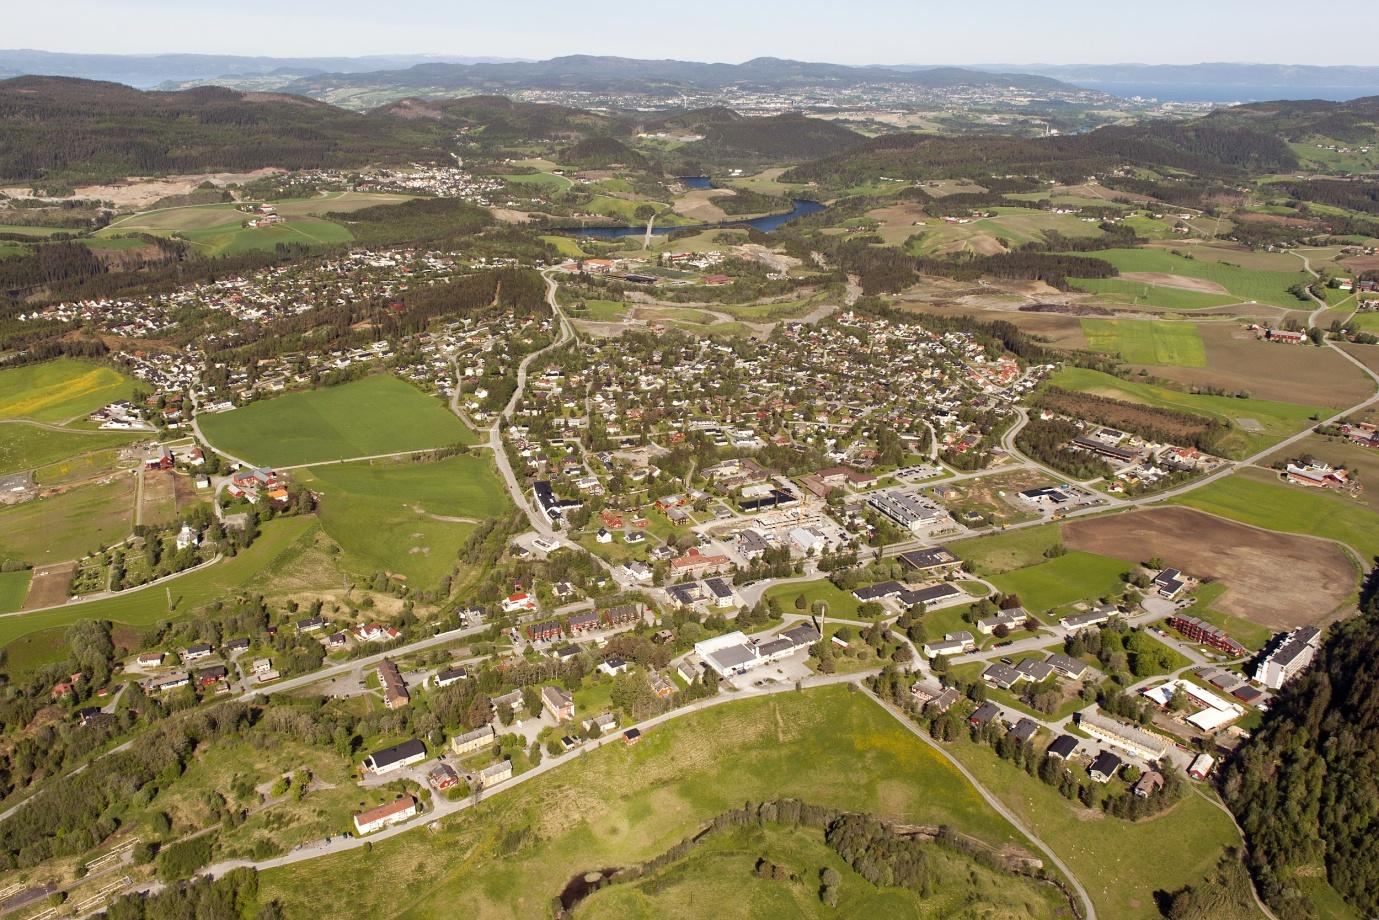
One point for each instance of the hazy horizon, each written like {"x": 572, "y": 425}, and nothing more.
{"x": 865, "y": 32}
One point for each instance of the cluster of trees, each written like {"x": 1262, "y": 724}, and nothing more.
{"x": 1302, "y": 788}
{"x": 1046, "y": 442}
{"x": 1149, "y": 422}
{"x": 1023, "y": 264}
{"x": 420, "y": 220}
{"x": 233, "y": 896}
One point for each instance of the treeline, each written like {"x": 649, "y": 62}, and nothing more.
{"x": 1046, "y": 442}
{"x": 233, "y": 896}
{"x": 1339, "y": 193}
{"x": 1149, "y": 422}
{"x": 420, "y": 220}
{"x": 1022, "y": 265}
{"x": 1303, "y": 786}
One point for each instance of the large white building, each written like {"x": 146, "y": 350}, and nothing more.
{"x": 1292, "y": 655}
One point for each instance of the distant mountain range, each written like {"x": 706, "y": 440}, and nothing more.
{"x": 148, "y": 70}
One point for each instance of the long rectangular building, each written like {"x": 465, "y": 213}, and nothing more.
{"x": 1123, "y": 735}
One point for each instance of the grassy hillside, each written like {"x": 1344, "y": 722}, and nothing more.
{"x": 56, "y": 391}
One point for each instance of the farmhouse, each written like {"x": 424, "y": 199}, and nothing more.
{"x": 395, "y": 812}
{"x": 1317, "y": 475}
{"x": 395, "y": 757}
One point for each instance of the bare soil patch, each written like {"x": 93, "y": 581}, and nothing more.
{"x": 1359, "y": 264}
{"x": 1277, "y": 580}
{"x": 1181, "y": 282}
{"x": 159, "y": 498}
{"x": 136, "y": 193}
{"x": 50, "y": 585}
{"x": 698, "y": 204}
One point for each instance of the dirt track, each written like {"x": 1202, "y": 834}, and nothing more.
{"x": 1279, "y": 580}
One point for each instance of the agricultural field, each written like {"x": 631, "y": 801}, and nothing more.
{"x": 1361, "y": 462}
{"x": 14, "y": 587}
{"x": 1141, "y": 293}
{"x": 1147, "y": 342}
{"x": 27, "y": 447}
{"x": 619, "y": 804}
{"x": 218, "y": 229}
{"x": 377, "y": 415}
{"x": 409, "y": 519}
{"x": 60, "y": 390}
{"x": 1256, "y": 423}
{"x": 70, "y": 524}
{"x": 1257, "y": 497}
{"x": 1009, "y": 228}
{"x": 1161, "y": 271}
{"x": 1273, "y": 579}
{"x": 1075, "y": 576}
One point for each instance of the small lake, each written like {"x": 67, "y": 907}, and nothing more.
{"x": 695, "y": 181}
{"x": 765, "y": 223}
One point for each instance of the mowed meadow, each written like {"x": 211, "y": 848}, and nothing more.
{"x": 377, "y": 415}
{"x": 61, "y": 390}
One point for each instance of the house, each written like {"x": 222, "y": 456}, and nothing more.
{"x": 638, "y": 572}
{"x": 930, "y": 563}
{"x": 376, "y": 632}
{"x": 1024, "y": 730}
{"x": 952, "y": 644}
{"x": 197, "y": 652}
{"x": 494, "y": 774}
{"x": 721, "y": 592}
{"x": 520, "y": 601}
{"x": 1092, "y": 618}
{"x": 187, "y": 537}
{"x": 311, "y": 624}
{"x": 631, "y": 736}
{"x": 1169, "y": 583}
{"x": 215, "y": 673}
{"x": 1201, "y": 766}
{"x": 1104, "y": 767}
{"x": 614, "y": 666}
{"x": 584, "y": 622}
{"x": 660, "y": 686}
{"x": 151, "y": 659}
{"x": 567, "y": 653}
{"x": 984, "y": 714}
{"x": 442, "y": 777}
{"x": 1062, "y": 747}
{"x": 1317, "y": 475}
{"x": 1292, "y": 655}
{"x": 688, "y": 672}
{"x": 395, "y": 812}
{"x": 513, "y": 701}
{"x": 695, "y": 562}
{"x": 621, "y": 615}
{"x": 1035, "y": 671}
{"x": 472, "y": 741}
{"x": 605, "y": 723}
{"x": 1002, "y": 675}
{"x": 395, "y": 757}
{"x": 395, "y": 695}
{"x": 234, "y": 646}
{"x": 1068, "y": 666}
{"x": 447, "y": 676}
{"x": 558, "y": 703}
{"x": 1150, "y": 782}
{"x": 1009, "y": 619}
{"x": 544, "y": 632}
{"x": 336, "y": 641}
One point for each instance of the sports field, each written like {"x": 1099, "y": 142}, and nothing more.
{"x": 1257, "y": 422}
{"x": 376, "y": 415}
{"x": 1256, "y": 497}
{"x": 27, "y": 447}
{"x": 1147, "y": 342}
{"x": 623, "y": 804}
{"x": 1073, "y": 577}
{"x": 59, "y": 390}
{"x": 390, "y": 516}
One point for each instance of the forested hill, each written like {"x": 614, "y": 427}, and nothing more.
{"x": 504, "y": 120}
{"x": 783, "y": 138}
{"x": 1355, "y": 121}
{"x": 1202, "y": 147}
{"x": 1304, "y": 787}
{"x": 64, "y": 129}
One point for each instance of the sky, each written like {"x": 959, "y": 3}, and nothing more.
{"x": 840, "y": 31}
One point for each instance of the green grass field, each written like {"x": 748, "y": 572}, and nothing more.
{"x": 383, "y": 514}
{"x": 840, "y": 603}
{"x": 56, "y": 391}
{"x": 1075, "y": 576}
{"x": 68, "y": 525}
{"x": 14, "y": 586}
{"x": 1253, "y": 498}
{"x": 1124, "y": 290}
{"x": 377, "y": 415}
{"x": 27, "y": 447}
{"x": 144, "y": 608}
{"x": 217, "y": 229}
{"x": 1270, "y": 287}
{"x": 623, "y": 804}
{"x": 1275, "y": 420}
{"x": 1147, "y": 342}
{"x": 1121, "y": 863}
{"x": 718, "y": 879}
{"x": 1005, "y": 552}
